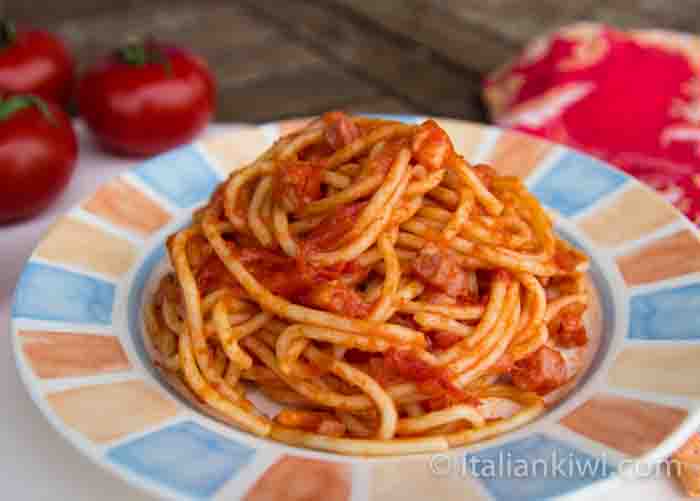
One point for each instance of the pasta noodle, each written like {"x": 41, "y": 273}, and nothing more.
{"x": 363, "y": 274}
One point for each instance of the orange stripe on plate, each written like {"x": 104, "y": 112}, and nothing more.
{"x": 107, "y": 412}
{"x": 231, "y": 151}
{"x": 633, "y": 214}
{"x": 65, "y": 354}
{"x": 628, "y": 425}
{"x": 466, "y": 137}
{"x": 412, "y": 478}
{"x": 517, "y": 154}
{"x": 288, "y": 126}
{"x": 74, "y": 242}
{"x": 126, "y": 207}
{"x": 301, "y": 479}
{"x": 658, "y": 369}
{"x": 672, "y": 256}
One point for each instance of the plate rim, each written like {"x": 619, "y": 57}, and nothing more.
{"x": 30, "y": 381}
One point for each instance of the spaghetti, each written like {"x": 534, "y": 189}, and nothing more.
{"x": 362, "y": 274}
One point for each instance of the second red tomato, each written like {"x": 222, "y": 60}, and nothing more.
{"x": 35, "y": 62}
{"x": 148, "y": 98}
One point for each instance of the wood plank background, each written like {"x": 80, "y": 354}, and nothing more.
{"x": 280, "y": 58}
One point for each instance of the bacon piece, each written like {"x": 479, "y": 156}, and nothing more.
{"x": 571, "y": 338}
{"x": 571, "y": 318}
{"x": 431, "y": 146}
{"x": 541, "y": 372}
{"x": 340, "y": 129}
{"x": 337, "y": 297}
{"x": 567, "y": 328}
{"x": 440, "y": 268}
{"x": 297, "y": 184}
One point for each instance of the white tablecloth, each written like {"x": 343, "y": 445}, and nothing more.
{"x": 36, "y": 463}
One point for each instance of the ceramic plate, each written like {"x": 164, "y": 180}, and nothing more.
{"x": 77, "y": 332}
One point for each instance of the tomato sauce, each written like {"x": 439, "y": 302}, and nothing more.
{"x": 333, "y": 228}
{"x": 297, "y": 184}
{"x": 404, "y": 364}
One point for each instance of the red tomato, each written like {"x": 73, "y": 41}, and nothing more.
{"x": 35, "y": 62}
{"x": 147, "y": 98}
{"x": 38, "y": 150}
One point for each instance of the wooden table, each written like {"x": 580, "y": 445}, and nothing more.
{"x": 279, "y": 58}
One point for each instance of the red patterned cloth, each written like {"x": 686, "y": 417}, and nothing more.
{"x": 631, "y": 98}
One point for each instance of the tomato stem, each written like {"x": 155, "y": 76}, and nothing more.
{"x": 11, "y": 105}
{"x": 143, "y": 53}
{"x": 8, "y": 33}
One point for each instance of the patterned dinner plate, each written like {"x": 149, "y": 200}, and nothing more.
{"x": 77, "y": 332}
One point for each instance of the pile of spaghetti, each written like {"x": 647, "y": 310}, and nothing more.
{"x": 362, "y": 274}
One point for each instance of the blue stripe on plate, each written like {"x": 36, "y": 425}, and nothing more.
{"x": 666, "y": 314}
{"x": 534, "y": 468}
{"x": 182, "y": 176}
{"x": 134, "y": 310}
{"x": 409, "y": 119}
{"x": 186, "y": 457}
{"x": 47, "y": 293}
{"x": 575, "y": 182}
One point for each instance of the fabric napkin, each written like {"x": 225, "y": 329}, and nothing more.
{"x": 631, "y": 98}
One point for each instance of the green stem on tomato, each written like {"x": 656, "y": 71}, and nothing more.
{"x": 12, "y": 104}
{"x": 143, "y": 53}
{"x": 8, "y": 33}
